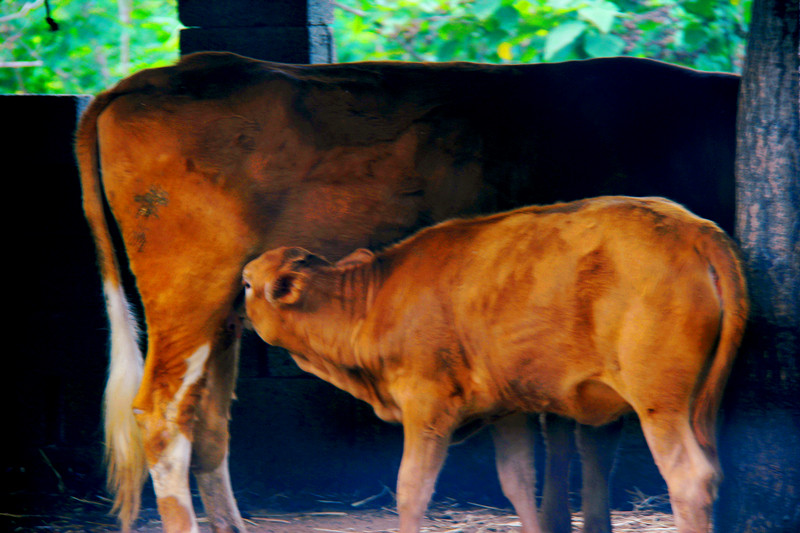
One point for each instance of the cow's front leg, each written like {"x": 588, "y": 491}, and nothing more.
{"x": 513, "y": 443}
{"x": 211, "y": 434}
{"x": 427, "y": 435}
{"x": 597, "y": 446}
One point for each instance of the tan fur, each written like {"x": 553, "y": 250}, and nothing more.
{"x": 207, "y": 163}
{"x": 174, "y": 513}
{"x": 587, "y": 310}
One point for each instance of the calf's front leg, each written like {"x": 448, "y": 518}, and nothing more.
{"x": 425, "y": 443}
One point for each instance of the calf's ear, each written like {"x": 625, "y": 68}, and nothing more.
{"x": 286, "y": 289}
{"x": 362, "y": 255}
{"x": 297, "y": 258}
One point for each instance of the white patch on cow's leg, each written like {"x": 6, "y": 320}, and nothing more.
{"x": 195, "y": 366}
{"x": 171, "y": 483}
{"x": 124, "y": 447}
{"x": 170, "y": 472}
{"x": 217, "y": 494}
{"x": 691, "y": 477}
{"x": 513, "y": 443}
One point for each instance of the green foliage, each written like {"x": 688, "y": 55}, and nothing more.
{"x": 93, "y": 49}
{"x": 88, "y": 52}
{"x": 705, "y": 34}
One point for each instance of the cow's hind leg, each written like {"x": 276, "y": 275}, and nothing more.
{"x": 211, "y": 434}
{"x": 182, "y": 408}
{"x": 597, "y": 447}
{"x": 558, "y": 436}
{"x": 513, "y": 442}
{"x": 692, "y": 478}
{"x": 165, "y": 407}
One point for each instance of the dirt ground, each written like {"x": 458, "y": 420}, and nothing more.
{"x": 441, "y": 520}
{"x": 330, "y": 516}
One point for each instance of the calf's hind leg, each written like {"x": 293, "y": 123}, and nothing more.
{"x": 692, "y": 478}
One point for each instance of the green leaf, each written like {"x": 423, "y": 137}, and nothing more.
{"x": 601, "y": 16}
{"x": 484, "y": 8}
{"x": 715, "y": 47}
{"x": 561, "y": 37}
{"x": 694, "y": 35}
{"x": 603, "y": 45}
{"x": 701, "y": 8}
{"x": 649, "y": 25}
{"x": 561, "y": 4}
{"x": 448, "y": 50}
{"x": 507, "y": 16}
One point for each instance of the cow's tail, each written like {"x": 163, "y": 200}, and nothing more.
{"x": 729, "y": 278}
{"x": 125, "y": 458}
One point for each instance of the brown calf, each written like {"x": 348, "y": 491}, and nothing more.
{"x": 587, "y": 310}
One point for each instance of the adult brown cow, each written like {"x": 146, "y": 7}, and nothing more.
{"x": 588, "y": 310}
{"x": 210, "y": 162}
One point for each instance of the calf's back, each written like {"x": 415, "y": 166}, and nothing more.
{"x": 586, "y": 309}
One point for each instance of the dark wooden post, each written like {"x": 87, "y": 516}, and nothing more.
{"x": 286, "y": 31}
{"x": 760, "y": 438}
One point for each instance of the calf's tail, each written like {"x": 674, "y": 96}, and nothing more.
{"x": 722, "y": 256}
{"x": 125, "y": 458}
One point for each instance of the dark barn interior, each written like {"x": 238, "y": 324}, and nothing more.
{"x": 294, "y": 437}
{"x": 296, "y": 440}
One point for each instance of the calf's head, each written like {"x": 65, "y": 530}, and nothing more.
{"x": 274, "y": 282}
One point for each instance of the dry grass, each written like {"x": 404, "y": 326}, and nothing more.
{"x": 443, "y": 517}
{"x": 454, "y": 517}
{"x": 476, "y": 519}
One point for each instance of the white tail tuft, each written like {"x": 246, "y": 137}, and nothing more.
{"x": 127, "y": 469}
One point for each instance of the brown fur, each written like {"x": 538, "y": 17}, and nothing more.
{"x": 174, "y": 513}
{"x": 209, "y": 162}
{"x": 586, "y": 310}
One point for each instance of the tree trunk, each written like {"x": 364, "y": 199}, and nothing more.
{"x": 760, "y": 435}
